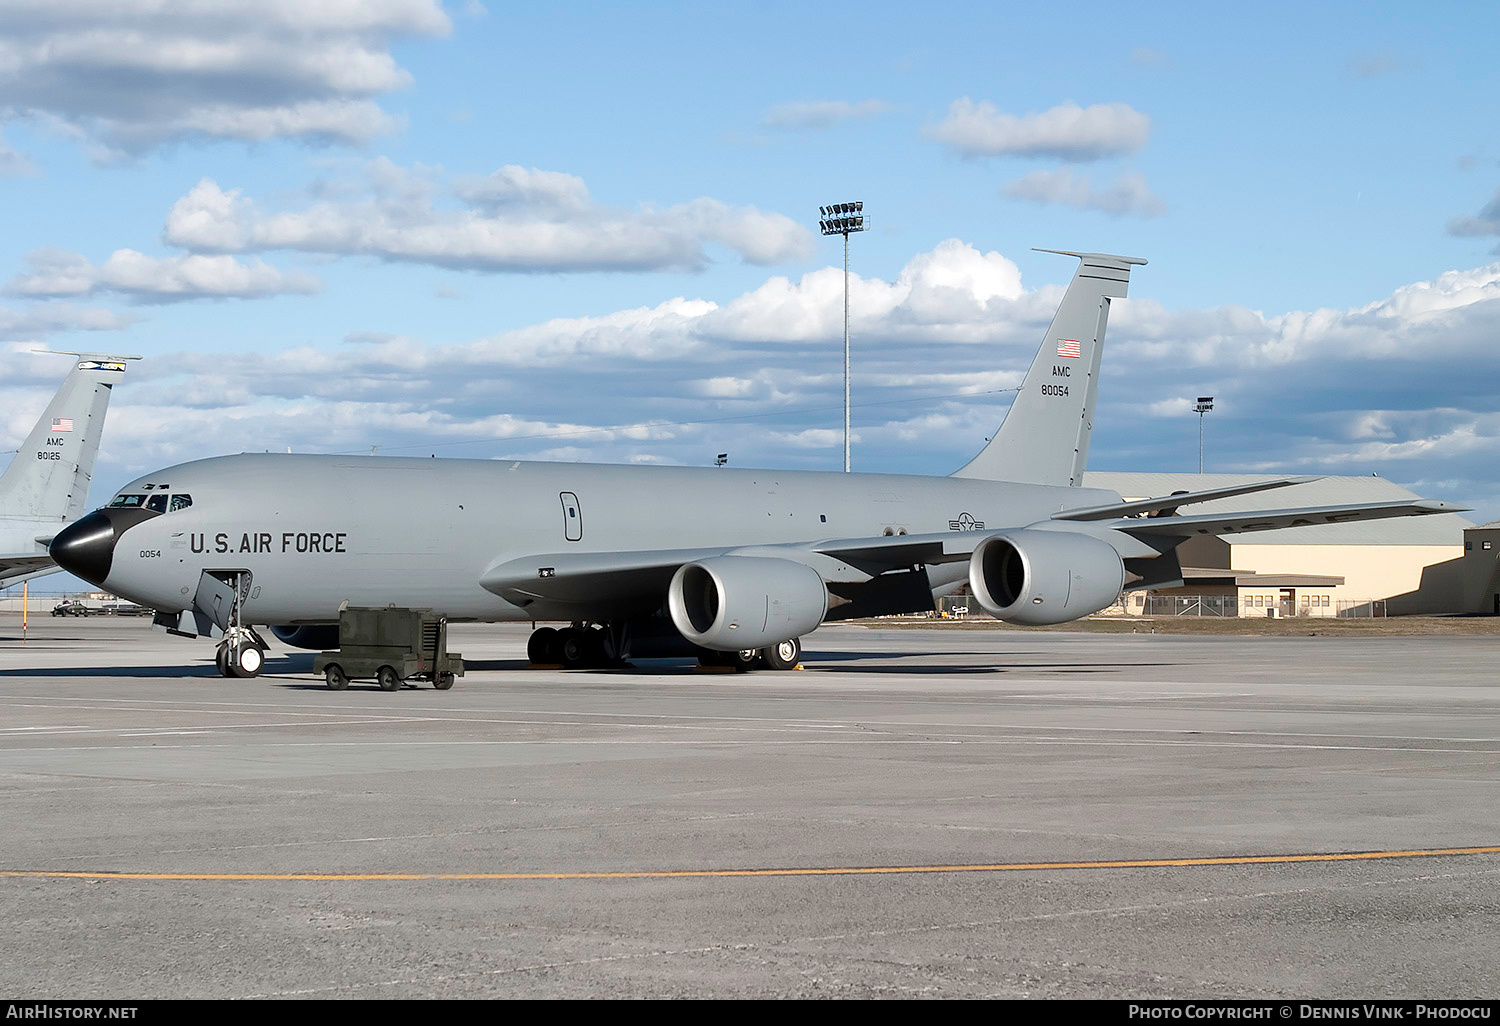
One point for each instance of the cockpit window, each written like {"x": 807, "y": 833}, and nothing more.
{"x": 180, "y": 501}
{"x": 157, "y": 502}
{"x": 127, "y": 501}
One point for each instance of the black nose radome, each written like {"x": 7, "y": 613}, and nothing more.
{"x": 86, "y": 547}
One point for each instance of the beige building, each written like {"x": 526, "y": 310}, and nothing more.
{"x": 1400, "y": 565}
{"x": 1474, "y": 575}
{"x": 1481, "y": 569}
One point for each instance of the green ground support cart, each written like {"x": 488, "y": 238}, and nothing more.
{"x": 392, "y": 646}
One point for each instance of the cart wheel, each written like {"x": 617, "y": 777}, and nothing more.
{"x": 387, "y": 678}
{"x": 333, "y": 674}
{"x": 443, "y": 682}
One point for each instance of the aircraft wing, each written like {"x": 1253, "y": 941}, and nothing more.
{"x": 1166, "y": 505}
{"x": 26, "y": 564}
{"x": 1276, "y": 519}
{"x": 594, "y": 585}
{"x": 592, "y": 582}
{"x": 592, "y": 579}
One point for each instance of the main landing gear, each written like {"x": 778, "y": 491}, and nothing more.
{"x": 577, "y": 647}
{"x": 584, "y": 646}
{"x": 782, "y": 656}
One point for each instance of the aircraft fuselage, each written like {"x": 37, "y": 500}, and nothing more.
{"x": 317, "y": 531}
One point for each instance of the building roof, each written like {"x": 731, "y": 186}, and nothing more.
{"x": 1438, "y": 529}
{"x": 1250, "y": 579}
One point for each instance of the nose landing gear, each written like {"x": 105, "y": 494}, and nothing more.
{"x": 241, "y": 654}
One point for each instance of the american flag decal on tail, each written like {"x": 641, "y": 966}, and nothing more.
{"x": 62, "y": 424}
{"x": 1070, "y": 348}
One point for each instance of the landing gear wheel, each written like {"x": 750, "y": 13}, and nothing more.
{"x": 579, "y": 647}
{"x": 542, "y": 646}
{"x": 333, "y": 676}
{"x": 745, "y": 660}
{"x": 242, "y": 658}
{"x": 388, "y": 679}
{"x": 783, "y": 656}
{"x": 443, "y": 682}
{"x": 247, "y": 659}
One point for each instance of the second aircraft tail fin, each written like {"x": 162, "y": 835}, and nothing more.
{"x": 49, "y": 477}
{"x": 1045, "y": 436}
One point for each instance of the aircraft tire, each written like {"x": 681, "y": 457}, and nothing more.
{"x": 542, "y": 646}
{"x": 783, "y": 656}
{"x": 333, "y": 676}
{"x": 388, "y": 678}
{"x": 247, "y": 660}
{"x": 221, "y": 661}
{"x": 575, "y": 648}
{"x": 745, "y": 660}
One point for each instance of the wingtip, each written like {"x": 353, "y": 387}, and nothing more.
{"x": 1439, "y": 506}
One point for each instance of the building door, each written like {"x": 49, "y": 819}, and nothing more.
{"x": 572, "y": 517}
{"x": 1288, "y": 601}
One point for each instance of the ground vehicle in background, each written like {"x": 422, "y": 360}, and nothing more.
{"x": 124, "y": 609}
{"x": 70, "y": 609}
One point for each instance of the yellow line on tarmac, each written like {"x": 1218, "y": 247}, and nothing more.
{"x": 996, "y": 867}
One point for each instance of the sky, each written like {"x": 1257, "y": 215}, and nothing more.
{"x": 588, "y": 232}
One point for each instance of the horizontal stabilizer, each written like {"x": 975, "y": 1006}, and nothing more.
{"x": 1276, "y": 519}
{"x": 1165, "y": 504}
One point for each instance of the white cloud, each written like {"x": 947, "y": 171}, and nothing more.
{"x": 517, "y": 220}
{"x": 1376, "y": 65}
{"x": 1487, "y": 222}
{"x": 1066, "y": 132}
{"x": 155, "y": 279}
{"x": 46, "y": 319}
{"x": 129, "y": 75}
{"x": 13, "y": 164}
{"x": 526, "y": 188}
{"x": 1128, "y": 194}
{"x": 1146, "y": 57}
{"x": 1388, "y": 386}
{"x": 946, "y": 292}
{"x": 821, "y": 113}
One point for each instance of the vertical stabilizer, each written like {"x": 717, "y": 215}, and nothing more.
{"x": 1045, "y": 436}
{"x": 49, "y": 477}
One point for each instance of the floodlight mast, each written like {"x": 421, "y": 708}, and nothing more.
{"x": 1205, "y": 403}
{"x": 844, "y": 219}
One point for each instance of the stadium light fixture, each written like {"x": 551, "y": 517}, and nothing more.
{"x": 836, "y": 220}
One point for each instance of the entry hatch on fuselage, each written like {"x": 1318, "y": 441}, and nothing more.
{"x": 572, "y": 517}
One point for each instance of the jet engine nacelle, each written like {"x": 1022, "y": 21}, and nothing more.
{"x": 321, "y": 637}
{"x": 1044, "y": 577}
{"x": 728, "y": 603}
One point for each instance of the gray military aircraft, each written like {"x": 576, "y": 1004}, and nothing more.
{"x": 47, "y": 482}
{"x": 736, "y": 565}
